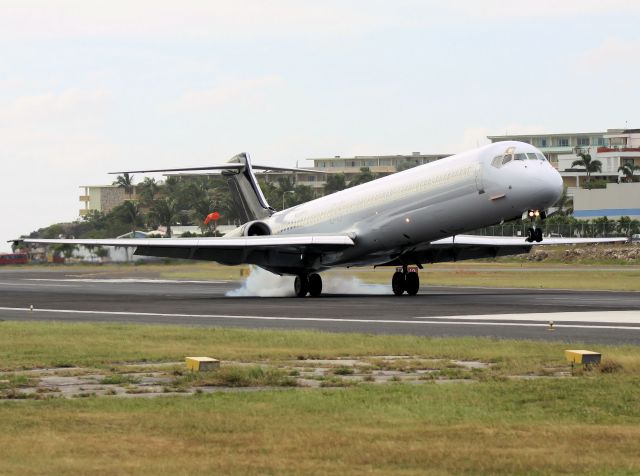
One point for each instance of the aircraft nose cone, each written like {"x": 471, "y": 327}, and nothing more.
{"x": 550, "y": 188}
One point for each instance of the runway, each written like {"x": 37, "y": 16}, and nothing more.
{"x": 578, "y": 316}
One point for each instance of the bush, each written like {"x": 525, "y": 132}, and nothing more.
{"x": 343, "y": 370}
{"x": 609, "y": 366}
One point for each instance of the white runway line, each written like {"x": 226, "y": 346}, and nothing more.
{"x": 34, "y": 284}
{"x": 413, "y": 322}
{"x": 125, "y": 281}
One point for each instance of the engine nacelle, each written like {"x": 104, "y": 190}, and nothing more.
{"x": 253, "y": 228}
{"x": 256, "y": 228}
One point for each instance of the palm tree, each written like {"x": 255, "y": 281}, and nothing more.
{"x": 148, "y": 189}
{"x": 628, "y": 170}
{"x": 201, "y": 209}
{"x": 588, "y": 164}
{"x": 132, "y": 214}
{"x": 165, "y": 211}
{"x": 335, "y": 183}
{"x": 125, "y": 181}
{"x": 564, "y": 204}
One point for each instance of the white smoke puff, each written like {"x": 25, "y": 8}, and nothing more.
{"x": 336, "y": 284}
{"x": 262, "y": 283}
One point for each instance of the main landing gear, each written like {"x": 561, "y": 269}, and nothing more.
{"x": 308, "y": 284}
{"x": 405, "y": 279}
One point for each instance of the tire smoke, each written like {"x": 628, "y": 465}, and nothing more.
{"x": 262, "y": 283}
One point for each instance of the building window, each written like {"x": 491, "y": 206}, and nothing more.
{"x": 602, "y": 141}
{"x": 563, "y": 142}
{"x": 543, "y": 142}
{"x": 583, "y": 141}
{"x": 628, "y": 162}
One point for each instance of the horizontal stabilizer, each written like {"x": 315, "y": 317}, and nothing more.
{"x": 237, "y": 166}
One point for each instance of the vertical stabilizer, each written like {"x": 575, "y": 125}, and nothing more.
{"x": 245, "y": 191}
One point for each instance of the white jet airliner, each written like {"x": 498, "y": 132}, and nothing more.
{"x": 409, "y": 218}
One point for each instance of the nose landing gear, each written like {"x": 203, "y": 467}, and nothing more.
{"x": 534, "y": 233}
{"x": 405, "y": 279}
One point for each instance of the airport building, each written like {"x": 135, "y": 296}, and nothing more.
{"x": 102, "y": 198}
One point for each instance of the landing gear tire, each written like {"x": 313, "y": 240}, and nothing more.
{"x": 301, "y": 286}
{"x": 412, "y": 284}
{"x": 315, "y": 285}
{"x": 398, "y": 284}
{"x": 531, "y": 235}
{"x": 537, "y": 235}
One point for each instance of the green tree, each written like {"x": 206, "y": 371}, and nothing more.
{"x": 201, "y": 209}
{"x": 125, "y": 181}
{"x": 165, "y": 212}
{"x": 285, "y": 184}
{"x": 627, "y": 226}
{"x": 628, "y": 171}
{"x": 129, "y": 212}
{"x": 102, "y": 252}
{"x": 302, "y": 194}
{"x": 335, "y": 183}
{"x": 364, "y": 176}
{"x": 65, "y": 250}
{"x": 585, "y": 161}
{"x": 564, "y": 204}
{"x": 148, "y": 190}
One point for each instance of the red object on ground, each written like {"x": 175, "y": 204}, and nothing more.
{"x": 215, "y": 216}
{"x": 14, "y": 258}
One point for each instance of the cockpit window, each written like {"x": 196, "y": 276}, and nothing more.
{"x": 520, "y": 157}
{"x": 532, "y": 156}
{"x": 541, "y": 156}
{"x": 507, "y": 158}
{"x": 497, "y": 161}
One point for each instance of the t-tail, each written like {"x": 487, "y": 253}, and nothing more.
{"x": 247, "y": 196}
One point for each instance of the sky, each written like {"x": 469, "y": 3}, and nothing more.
{"x": 89, "y": 87}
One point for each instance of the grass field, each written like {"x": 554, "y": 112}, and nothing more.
{"x": 497, "y": 424}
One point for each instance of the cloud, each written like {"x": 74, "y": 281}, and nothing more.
{"x": 473, "y": 137}
{"x": 239, "y": 92}
{"x": 188, "y": 19}
{"x": 612, "y": 53}
{"x": 54, "y": 109}
{"x": 541, "y": 8}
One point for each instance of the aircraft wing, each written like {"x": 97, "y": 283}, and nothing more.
{"x": 479, "y": 240}
{"x": 249, "y": 249}
{"x": 464, "y": 247}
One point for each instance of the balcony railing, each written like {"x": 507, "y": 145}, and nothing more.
{"x": 618, "y": 149}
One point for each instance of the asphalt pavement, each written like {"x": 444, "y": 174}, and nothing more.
{"x": 577, "y": 316}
